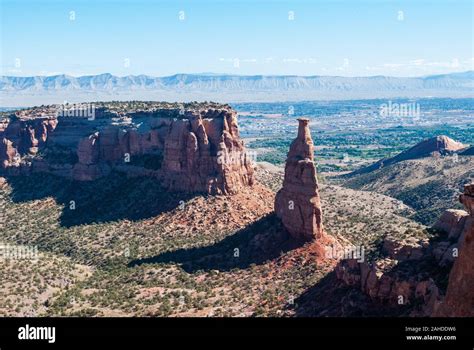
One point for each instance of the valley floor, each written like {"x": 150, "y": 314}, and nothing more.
{"x": 127, "y": 248}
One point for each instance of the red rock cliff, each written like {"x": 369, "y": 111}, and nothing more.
{"x": 198, "y": 150}
{"x": 381, "y": 281}
{"x": 204, "y": 153}
{"x": 23, "y": 137}
{"x": 459, "y": 300}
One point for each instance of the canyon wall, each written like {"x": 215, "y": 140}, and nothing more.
{"x": 412, "y": 271}
{"x": 197, "y": 149}
{"x": 23, "y": 137}
{"x": 459, "y": 300}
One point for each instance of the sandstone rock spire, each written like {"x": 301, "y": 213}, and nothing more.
{"x": 298, "y": 204}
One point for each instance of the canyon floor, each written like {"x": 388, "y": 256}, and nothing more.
{"x": 122, "y": 246}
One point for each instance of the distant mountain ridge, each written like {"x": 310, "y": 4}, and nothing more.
{"x": 225, "y": 87}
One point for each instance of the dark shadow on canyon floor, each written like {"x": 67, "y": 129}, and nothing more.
{"x": 111, "y": 198}
{"x": 263, "y": 240}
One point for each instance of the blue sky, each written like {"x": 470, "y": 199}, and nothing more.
{"x": 349, "y": 38}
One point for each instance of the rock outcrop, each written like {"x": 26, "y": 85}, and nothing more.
{"x": 453, "y": 222}
{"x": 193, "y": 149}
{"x": 23, "y": 137}
{"x": 459, "y": 300}
{"x": 411, "y": 269}
{"x": 297, "y": 203}
{"x": 204, "y": 153}
{"x": 384, "y": 280}
{"x": 442, "y": 144}
{"x": 438, "y": 145}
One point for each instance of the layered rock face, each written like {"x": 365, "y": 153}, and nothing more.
{"x": 459, "y": 300}
{"x": 116, "y": 146}
{"x": 20, "y": 137}
{"x": 197, "y": 149}
{"x": 298, "y": 203}
{"x": 205, "y": 153}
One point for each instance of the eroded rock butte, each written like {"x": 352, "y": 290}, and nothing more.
{"x": 190, "y": 147}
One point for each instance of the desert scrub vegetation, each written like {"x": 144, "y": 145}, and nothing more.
{"x": 106, "y": 244}
{"x": 118, "y": 221}
{"x": 29, "y": 286}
